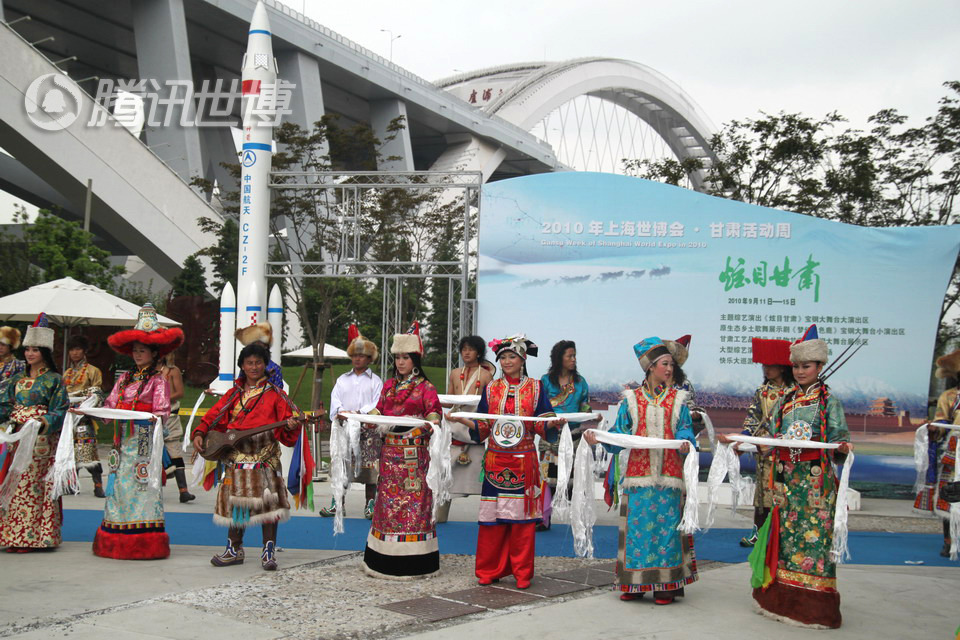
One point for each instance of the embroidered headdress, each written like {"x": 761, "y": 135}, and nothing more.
{"x": 39, "y": 334}
{"x": 771, "y": 352}
{"x": 358, "y": 345}
{"x": 408, "y": 342}
{"x": 147, "y": 331}
{"x": 517, "y": 344}
{"x": 649, "y": 350}
{"x": 809, "y": 348}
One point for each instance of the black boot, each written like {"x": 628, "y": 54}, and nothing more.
{"x": 97, "y": 474}
{"x": 181, "y": 476}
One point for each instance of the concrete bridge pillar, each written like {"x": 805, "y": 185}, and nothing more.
{"x": 396, "y": 154}
{"x": 163, "y": 54}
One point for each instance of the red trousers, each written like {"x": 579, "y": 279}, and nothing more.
{"x": 503, "y": 549}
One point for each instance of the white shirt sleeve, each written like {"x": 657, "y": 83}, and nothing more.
{"x": 335, "y": 401}
{"x": 376, "y": 386}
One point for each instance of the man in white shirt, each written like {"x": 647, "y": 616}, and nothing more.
{"x": 358, "y": 391}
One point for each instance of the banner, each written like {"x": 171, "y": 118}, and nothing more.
{"x": 606, "y": 260}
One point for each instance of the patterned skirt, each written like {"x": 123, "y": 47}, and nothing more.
{"x": 369, "y": 468}
{"x": 763, "y": 495}
{"x": 252, "y": 491}
{"x": 402, "y": 543}
{"x": 928, "y": 498}
{"x": 804, "y": 590}
{"x": 133, "y": 525}
{"x": 33, "y": 519}
{"x": 512, "y": 488}
{"x": 651, "y": 554}
{"x": 85, "y": 445}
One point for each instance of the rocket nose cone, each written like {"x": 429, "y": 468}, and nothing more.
{"x": 259, "y": 21}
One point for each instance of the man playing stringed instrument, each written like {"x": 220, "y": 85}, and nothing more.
{"x": 253, "y": 490}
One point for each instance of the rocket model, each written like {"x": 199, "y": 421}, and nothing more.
{"x": 259, "y": 77}
{"x": 228, "y": 321}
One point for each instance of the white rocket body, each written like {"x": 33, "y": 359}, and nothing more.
{"x": 228, "y": 322}
{"x": 259, "y": 76}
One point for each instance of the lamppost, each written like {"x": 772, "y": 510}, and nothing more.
{"x": 392, "y": 38}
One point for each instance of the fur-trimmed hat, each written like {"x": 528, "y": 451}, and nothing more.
{"x": 147, "y": 331}
{"x": 10, "y": 337}
{"x": 809, "y": 348}
{"x": 679, "y": 349}
{"x": 39, "y": 334}
{"x": 771, "y": 352}
{"x": 260, "y": 332}
{"x": 516, "y": 343}
{"x": 948, "y": 366}
{"x": 408, "y": 342}
{"x": 357, "y": 345}
{"x": 649, "y": 350}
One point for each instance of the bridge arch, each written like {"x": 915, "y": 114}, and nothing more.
{"x": 524, "y": 94}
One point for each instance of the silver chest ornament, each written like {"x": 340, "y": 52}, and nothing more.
{"x": 800, "y": 430}
{"x": 508, "y": 432}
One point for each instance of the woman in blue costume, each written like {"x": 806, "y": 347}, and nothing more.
{"x": 568, "y": 392}
{"x": 653, "y": 555}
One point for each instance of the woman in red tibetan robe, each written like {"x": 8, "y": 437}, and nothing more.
{"x": 511, "y": 499}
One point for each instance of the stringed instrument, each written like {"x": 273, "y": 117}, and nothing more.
{"x": 216, "y": 444}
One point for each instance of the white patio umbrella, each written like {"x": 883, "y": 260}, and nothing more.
{"x": 71, "y": 303}
{"x": 330, "y": 352}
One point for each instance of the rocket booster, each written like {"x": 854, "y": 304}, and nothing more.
{"x": 259, "y": 79}
{"x": 228, "y": 321}
{"x": 275, "y": 318}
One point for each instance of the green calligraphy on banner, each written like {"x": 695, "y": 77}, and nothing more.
{"x": 806, "y": 278}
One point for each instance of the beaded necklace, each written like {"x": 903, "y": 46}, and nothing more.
{"x": 463, "y": 384}
{"x": 403, "y": 388}
{"x": 73, "y": 375}
{"x": 142, "y": 376}
{"x": 770, "y": 389}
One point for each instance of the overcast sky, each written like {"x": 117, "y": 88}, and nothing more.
{"x": 734, "y": 57}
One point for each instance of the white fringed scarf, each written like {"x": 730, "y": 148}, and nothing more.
{"x": 583, "y": 513}
{"x": 155, "y": 464}
{"x": 63, "y": 473}
{"x": 344, "y": 454}
{"x": 840, "y": 550}
{"x": 711, "y": 432}
{"x": 187, "y": 441}
{"x": 561, "y": 503}
{"x": 439, "y": 475}
{"x": 22, "y": 457}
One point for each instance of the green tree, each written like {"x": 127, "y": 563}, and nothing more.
{"x": 51, "y": 248}
{"x": 191, "y": 280}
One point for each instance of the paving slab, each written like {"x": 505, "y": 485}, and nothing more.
{"x": 71, "y": 581}
{"x": 877, "y": 602}
{"x": 432, "y": 609}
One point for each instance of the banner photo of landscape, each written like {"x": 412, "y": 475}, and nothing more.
{"x": 606, "y": 260}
